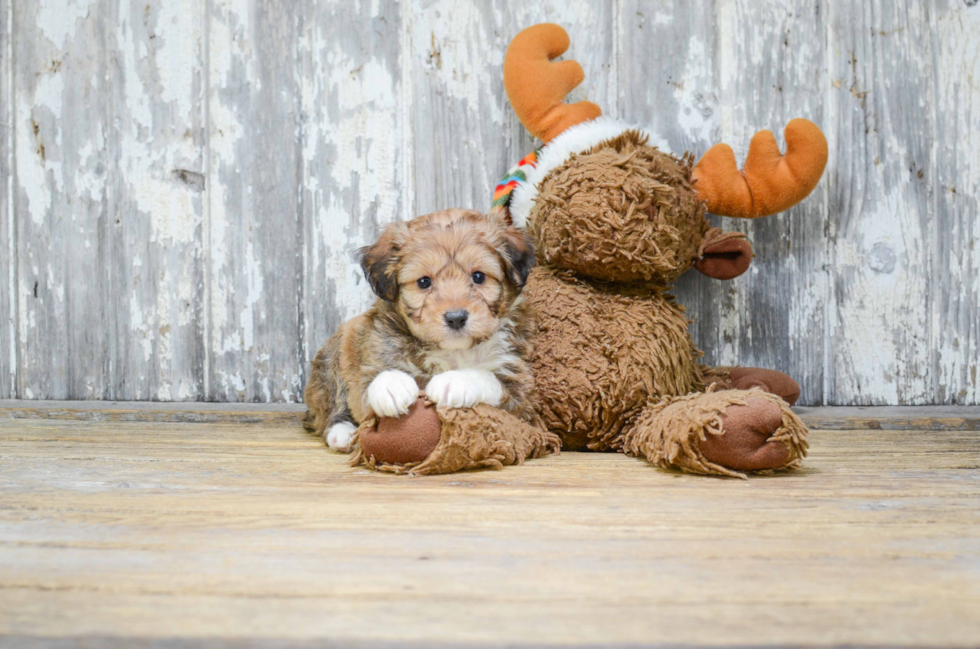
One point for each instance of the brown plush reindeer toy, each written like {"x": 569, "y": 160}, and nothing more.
{"x": 616, "y": 220}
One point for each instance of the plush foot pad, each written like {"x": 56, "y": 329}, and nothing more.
{"x": 408, "y": 439}
{"x": 428, "y": 441}
{"x": 771, "y": 381}
{"x": 744, "y": 444}
{"x": 728, "y": 432}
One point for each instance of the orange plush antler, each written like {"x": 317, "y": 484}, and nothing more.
{"x": 770, "y": 182}
{"x": 537, "y": 87}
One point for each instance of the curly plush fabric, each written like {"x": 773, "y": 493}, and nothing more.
{"x": 670, "y": 432}
{"x": 718, "y": 376}
{"x": 601, "y": 351}
{"x": 472, "y": 438}
{"x": 622, "y": 211}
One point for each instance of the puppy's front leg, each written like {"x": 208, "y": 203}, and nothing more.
{"x": 391, "y": 393}
{"x": 464, "y": 388}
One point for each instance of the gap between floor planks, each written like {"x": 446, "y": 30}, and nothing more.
{"x": 822, "y": 417}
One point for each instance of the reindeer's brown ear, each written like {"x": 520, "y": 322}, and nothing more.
{"x": 379, "y": 262}
{"x": 515, "y": 249}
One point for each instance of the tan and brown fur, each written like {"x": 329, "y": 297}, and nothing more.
{"x": 405, "y": 330}
{"x": 614, "y": 227}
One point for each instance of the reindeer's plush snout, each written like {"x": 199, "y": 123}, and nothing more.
{"x": 723, "y": 255}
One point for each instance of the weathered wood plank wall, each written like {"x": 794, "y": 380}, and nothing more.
{"x": 184, "y": 183}
{"x": 7, "y": 252}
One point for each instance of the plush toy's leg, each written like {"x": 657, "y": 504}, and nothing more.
{"x": 743, "y": 378}
{"x": 728, "y": 432}
{"x": 428, "y": 441}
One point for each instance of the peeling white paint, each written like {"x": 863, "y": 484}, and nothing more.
{"x": 49, "y": 95}
{"x": 727, "y": 65}
{"x": 58, "y": 19}
{"x": 956, "y": 328}
{"x": 219, "y": 282}
{"x": 179, "y": 52}
{"x": 460, "y": 42}
{"x": 696, "y": 114}
{"x": 31, "y": 168}
{"x": 232, "y": 384}
{"x": 253, "y": 274}
{"x": 173, "y": 217}
{"x": 879, "y": 296}
{"x": 229, "y": 47}
{"x": 8, "y": 327}
{"x": 139, "y": 329}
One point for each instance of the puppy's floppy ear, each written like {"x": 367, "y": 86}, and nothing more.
{"x": 379, "y": 262}
{"x": 516, "y": 250}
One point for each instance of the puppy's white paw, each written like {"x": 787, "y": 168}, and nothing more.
{"x": 391, "y": 393}
{"x": 464, "y": 388}
{"x": 339, "y": 436}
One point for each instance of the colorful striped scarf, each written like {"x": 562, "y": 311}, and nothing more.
{"x": 517, "y": 174}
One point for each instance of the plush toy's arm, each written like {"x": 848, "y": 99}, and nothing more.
{"x": 430, "y": 441}
{"x": 743, "y": 378}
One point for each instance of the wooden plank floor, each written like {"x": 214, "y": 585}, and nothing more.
{"x": 160, "y": 533}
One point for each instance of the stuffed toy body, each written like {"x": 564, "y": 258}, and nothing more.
{"x": 616, "y": 220}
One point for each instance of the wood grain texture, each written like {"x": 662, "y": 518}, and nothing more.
{"x": 60, "y": 61}
{"x": 155, "y": 154}
{"x": 882, "y": 237}
{"x": 8, "y": 247}
{"x": 955, "y": 180}
{"x": 257, "y": 531}
{"x": 185, "y": 184}
{"x": 254, "y": 217}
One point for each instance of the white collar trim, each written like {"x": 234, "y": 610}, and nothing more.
{"x": 575, "y": 139}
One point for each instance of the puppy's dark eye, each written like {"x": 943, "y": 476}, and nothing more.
{"x": 478, "y": 277}
{"x": 423, "y": 283}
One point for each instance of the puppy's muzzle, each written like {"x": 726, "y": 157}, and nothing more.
{"x": 456, "y": 320}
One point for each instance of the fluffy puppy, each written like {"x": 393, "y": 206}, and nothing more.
{"x": 449, "y": 319}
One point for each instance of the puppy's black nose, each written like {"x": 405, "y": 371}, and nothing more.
{"x": 456, "y": 319}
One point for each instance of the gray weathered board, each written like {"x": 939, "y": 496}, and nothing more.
{"x": 184, "y": 181}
